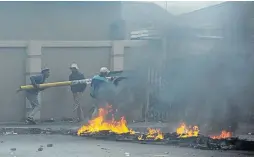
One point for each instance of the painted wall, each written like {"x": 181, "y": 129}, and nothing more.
{"x": 12, "y": 75}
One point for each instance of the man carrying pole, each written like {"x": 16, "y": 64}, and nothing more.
{"x": 100, "y": 86}
{"x": 77, "y": 91}
{"x": 32, "y": 94}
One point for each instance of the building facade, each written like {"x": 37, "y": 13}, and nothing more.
{"x": 52, "y": 34}
{"x": 72, "y": 21}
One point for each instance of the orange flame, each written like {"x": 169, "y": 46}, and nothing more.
{"x": 224, "y": 134}
{"x": 183, "y": 131}
{"x": 100, "y": 124}
{"x": 154, "y": 134}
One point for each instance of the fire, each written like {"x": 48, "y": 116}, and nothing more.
{"x": 224, "y": 134}
{"x": 99, "y": 123}
{"x": 154, "y": 134}
{"x": 183, "y": 131}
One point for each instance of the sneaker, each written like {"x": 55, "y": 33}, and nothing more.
{"x": 30, "y": 120}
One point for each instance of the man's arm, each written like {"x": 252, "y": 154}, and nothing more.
{"x": 82, "y": 76}
{"x": 70, "y": 78}
{"x": 92, "y": 90}
{"x": 33, "y": 81}
{"x": 92, "y": 82}
{"x": 41, "y": 89}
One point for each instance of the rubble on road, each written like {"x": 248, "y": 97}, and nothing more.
{"x": 199, "y": 142}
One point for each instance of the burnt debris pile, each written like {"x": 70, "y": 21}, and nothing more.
{"x": 198, "y": 142}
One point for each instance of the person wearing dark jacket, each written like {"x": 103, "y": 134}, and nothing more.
{"x": 32, "y": 94}
{"x": 77, "y": 91}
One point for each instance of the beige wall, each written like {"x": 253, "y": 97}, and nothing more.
{"x": 21, "y": 59}
{"x": 12, "y": 75}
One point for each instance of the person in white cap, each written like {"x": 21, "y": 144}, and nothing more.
{"x": 99, "y": 89}
{"x": 77, "y": 91}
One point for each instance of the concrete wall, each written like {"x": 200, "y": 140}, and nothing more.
{"x": 12, "y": 69}
{"x": 21, "y": 59}
{"x": 58, "y": 20}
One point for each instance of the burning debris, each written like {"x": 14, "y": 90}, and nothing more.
{"x": 188, "y": 136}
{"x": 100, "y": 123}
{"x": 224, "y": 134}
{"x": 152, "y": 134}
{"x": 183, "y": 131}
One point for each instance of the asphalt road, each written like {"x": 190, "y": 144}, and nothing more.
{"x": 69, "y": 146}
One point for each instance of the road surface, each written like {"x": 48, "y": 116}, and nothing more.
{"x": 70, "y": 146}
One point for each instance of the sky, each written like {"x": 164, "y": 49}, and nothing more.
{"x": 180, "y": 7}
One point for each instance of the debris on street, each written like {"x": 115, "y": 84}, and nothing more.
{"x": 40, "y": 149}
{"x": 100, "y": 128}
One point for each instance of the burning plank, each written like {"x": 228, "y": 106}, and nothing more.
{"x": 153, "y": 134}
{"x": 224, "y": 134}
{"x": 183, "y": 131}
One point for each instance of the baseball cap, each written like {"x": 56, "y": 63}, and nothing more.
{"x": 104, "y": 70}
{"x": 44, "y": 70}
{"x": 74, "y": 65}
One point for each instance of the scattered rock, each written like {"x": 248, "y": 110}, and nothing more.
{"x": 166, "y": 152}
{"x": 13, "y": 149}
{"x": 8, "y": 133}
{"x": 98, "y": 145}
{"x": 49, "y": 145}
{"x": 40, "y": 149}
{"x": 12, "y": 154}
{"x": 1, "y": 141}
{"x": 127, "y": 154}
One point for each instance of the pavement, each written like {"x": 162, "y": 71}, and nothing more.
{"x": 73, "y": 146}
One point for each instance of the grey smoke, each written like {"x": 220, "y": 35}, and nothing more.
{"x": 214, "y": 87}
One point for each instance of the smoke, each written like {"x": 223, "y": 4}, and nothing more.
{"x": 214, "y": 87}
{"x": 210, "y": 83}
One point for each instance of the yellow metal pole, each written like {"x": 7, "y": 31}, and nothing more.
{"x": 64, "y": 83}
{"x": 57, "y": 84}
{"x": 46, "y": 85}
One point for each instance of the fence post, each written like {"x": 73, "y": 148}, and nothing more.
{"x": 117, "y": 55}
{"x": 33, "y": 66}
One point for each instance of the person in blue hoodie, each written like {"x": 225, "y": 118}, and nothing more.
{"x": 32, "y": 94}
{"x": 100, "y": 89}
